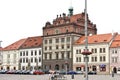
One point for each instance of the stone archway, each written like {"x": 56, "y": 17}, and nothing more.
{"x": 56, "y": 67}
{"x": 115, "y": 70}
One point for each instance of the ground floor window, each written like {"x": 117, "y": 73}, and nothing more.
{"x": 78, "y": 68}
{"x": 102, "y": 67}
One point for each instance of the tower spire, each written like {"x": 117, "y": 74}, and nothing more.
{"x": 70, "y": 9}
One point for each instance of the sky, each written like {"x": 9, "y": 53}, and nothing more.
{"x": 25, "y": 18}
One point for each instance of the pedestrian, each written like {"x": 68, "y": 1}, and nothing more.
{"x": 112, "y": 73}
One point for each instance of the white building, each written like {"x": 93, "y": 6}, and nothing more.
{"x": 115, "y": 55}
{"x": 31, "y": 54}
{"x": 99, "y": 59}
{"x": 10, "y": 56}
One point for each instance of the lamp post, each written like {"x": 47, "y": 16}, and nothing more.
{"x": 86, "y": 51}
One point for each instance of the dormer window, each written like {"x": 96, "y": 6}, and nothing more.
{"x": 105, "y": 40}
{"x": 95, "y": 41}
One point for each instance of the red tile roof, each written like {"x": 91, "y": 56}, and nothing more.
{"x": 32, "y": 42}
{"x": 116, "y": 42}
{"x": 16, "y": 45}
{"x": 1, "y": 48}
{"x": 74, "y": 18}
{"x": 99, "y": 38}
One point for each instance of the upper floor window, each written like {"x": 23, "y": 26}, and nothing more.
{"x": 57, "y": 40}
{"x": 68, "y": 39}
{"x": 45, "y": 56}
{"x": 102, "y": 50}
{"x": 23, "y": 53}
{"x": 45, "y": 41}
{"x": 77, "y": 51}
{"x": 20, "y": 53}
{"x": 62, "y": 39}
{"x": 45, "y": 47}
{"x": 39, "y": 52}
{"x": 39, "y": 59}
{"x": 57, "y": 56}
{"x": 68, "y": 55}
{"x": 35, "y": 52}
{"x": 26, "y": 53}
{"x": 57, "y": 47}
{"x": 62, "y": 46}
{"x": 62, "y": 55}
{"x": 50, "y": 47}
{"x": 50, "y": 56}
{"x": 31, "y": 53}
{"x": 50, "y": 41}
{"x": 68, "y": 46}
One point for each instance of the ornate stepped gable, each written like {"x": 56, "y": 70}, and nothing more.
{"x": 71, "y": 23}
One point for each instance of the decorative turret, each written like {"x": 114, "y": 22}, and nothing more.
{"x": 70, "y": 11}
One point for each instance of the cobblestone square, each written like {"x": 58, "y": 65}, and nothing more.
{"x": 46, "y": 77}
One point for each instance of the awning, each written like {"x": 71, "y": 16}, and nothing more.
{"x": 102, "y": 65}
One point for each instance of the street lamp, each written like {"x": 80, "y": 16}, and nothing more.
{"x": 86, "y": 51}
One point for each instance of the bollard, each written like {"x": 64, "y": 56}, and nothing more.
{"x": 112, "y": 74}
{"x": 52, "y": 78}
{"x": 72, "y": 76}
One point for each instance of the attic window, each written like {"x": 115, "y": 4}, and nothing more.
{"x": 30, "y": 40}
{"x": 105, "y": 40}
{"x": 36, "y": 43}
{"x": 95, "y": 41}
{"x": 117, "y": 44}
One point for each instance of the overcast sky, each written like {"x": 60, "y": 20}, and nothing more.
{"x": 25, "y": 18}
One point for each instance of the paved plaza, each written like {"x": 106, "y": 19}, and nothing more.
{"x": 46, "y": 77}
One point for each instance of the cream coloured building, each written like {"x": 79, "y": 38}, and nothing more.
{"x": 30, "y": 56}
{"x": 99, "y": 60}
{"x": 10, "y": 56}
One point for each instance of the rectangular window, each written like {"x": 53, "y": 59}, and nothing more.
{"x": 62, "y": 46}
{"x": 57, "y": 47}
{"x": 68, "y": 39}
{"x": 95, "y": 58}
{"x": 45, "y": 56}
{"x": 45, "y": 41}
{"x": 50, "y": 47}
{"x": 39, "y": 59}
{"x": 39, "y": 52}
{"x": 26, "y": 53}
{"x": 100, "y": 58}
{"x": 100, "y": 50}
{"x": 31, "y": 60}
{"x": 50, "y": 41}
{"x": 95, "y": 50}
{"x": 45, "y": 48}
{"x": 57, "y": 40}
{"x": 77, "y": 51}
{"x": 68, "y": 46}
{"x": 62, "y": 40}
{"x": 23, "y": 53}
{"x": 20, "y": 53}
{"x": 68, "y": 55}
{"x": 35, "y": 52}
{"x": 103, "y": 50}
{"x": 62, "y": 55}
{"x": 79, "y": 59}
{"x": 76, "y": 59}
{"x": 31, "y": 53}
{"x": 50, "y": 56}
{"x": 57, "y": 56}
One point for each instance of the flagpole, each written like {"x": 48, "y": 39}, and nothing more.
{"x": 86, "y": 43}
